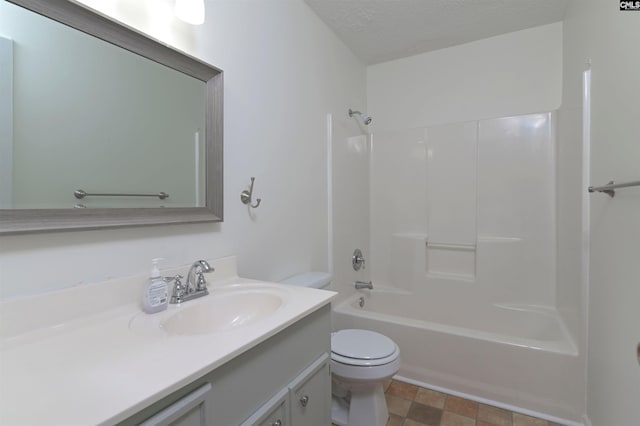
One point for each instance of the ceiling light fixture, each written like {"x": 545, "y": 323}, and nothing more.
{"x": 190, "y": 11}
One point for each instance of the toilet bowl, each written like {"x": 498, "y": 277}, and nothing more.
{"x": 361, "y": 361}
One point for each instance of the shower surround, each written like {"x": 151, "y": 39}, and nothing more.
{"x": 463, "y": 261}
{"x": 471, "y": 205}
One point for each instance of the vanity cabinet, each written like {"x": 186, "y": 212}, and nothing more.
{"x": 306, "y": 401}
{"x": 285, "y": 378}
{"x": 310, "y": 395}
{"x": 190, "y": 410}
{"x": 274, "y": 413}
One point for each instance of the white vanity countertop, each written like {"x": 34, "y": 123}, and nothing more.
{"x": 66, "y": 368}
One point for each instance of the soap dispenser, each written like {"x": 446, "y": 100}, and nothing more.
{"x": 156, "y": 292}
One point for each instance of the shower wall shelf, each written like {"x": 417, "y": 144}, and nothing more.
{"x": 610, "y": 187}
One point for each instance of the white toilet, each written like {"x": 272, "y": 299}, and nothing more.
{"x": 361, "y": 361}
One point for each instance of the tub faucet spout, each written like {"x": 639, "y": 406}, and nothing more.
{"x": 363, "y": 284}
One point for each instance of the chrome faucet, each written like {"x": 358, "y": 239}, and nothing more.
{"x": 196, "y": 285}
{"x": 363, "y": 284}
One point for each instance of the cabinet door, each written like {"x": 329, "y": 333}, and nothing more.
{"x": 272, "y": 413}
{"x": 190, "y": 410}
{"x": 310, "y": 395}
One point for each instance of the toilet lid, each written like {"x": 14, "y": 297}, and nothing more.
{"x": 362, "y": 345}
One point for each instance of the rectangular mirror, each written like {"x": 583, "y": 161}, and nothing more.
{"x": 102, "y": 126}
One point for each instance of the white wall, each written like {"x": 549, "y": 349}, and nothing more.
{"x": 511, "y": 74}
{"x": 284, "y": 71}
{"x": 598, "y": 30}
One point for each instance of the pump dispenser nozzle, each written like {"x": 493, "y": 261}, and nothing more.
{"x": 155, "y": 271}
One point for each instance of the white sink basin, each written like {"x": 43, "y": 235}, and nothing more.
{"x": 223, "y": 309}
{"x": 222, "y": 312}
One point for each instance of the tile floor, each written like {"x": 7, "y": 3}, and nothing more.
{"x": 410, "y": 405}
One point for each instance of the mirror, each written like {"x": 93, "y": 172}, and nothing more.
{"x": 106, "y": 127}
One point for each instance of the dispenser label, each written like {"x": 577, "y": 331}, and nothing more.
{"x": 157, "y": 295}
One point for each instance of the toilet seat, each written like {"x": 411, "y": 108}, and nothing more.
{"x": 362, "y": 348}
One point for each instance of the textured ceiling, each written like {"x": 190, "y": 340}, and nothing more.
{"x": 382, "y": 30}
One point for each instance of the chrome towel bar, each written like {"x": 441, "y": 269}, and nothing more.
{"x": 81, "y": 193}
{"x": 609, "y": 188}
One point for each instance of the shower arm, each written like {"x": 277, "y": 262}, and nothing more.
{"x": 366, "y": 120}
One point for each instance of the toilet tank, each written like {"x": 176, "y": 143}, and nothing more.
{"x": 309, "y": 279}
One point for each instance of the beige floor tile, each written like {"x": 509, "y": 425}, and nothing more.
{"x": 427, "y": 410}
{"x": 461, "y": 406}
{"x": 494, "y": 416}
{"x": 397, "y": 405}
{"x": 395, "y": 420}
{"x": 409, "y": 422}
{"x": 430, "y": 398}
{"x": 522, "y": 420}
{"x": 386, "y": 384}
{"x": 483, "y": 423}
{"x": 453, "y": 419}
{"x": 424, "y": 414}
{"x": 402, "y": 389}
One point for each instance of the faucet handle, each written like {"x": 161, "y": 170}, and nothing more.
{"x": 178, "y": 288}
{"x": 201, "y": 268}
{"x": 357, "y": 260}
{"x": 176, "y": 278}
{"x": 201, "y": 283}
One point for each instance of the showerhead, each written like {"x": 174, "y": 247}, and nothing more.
{"x": 366, "y": 120}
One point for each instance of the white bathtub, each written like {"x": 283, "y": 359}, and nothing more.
{"x": 517, "y": 356}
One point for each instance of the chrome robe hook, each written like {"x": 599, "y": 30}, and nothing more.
{"x": 246, "y": 196}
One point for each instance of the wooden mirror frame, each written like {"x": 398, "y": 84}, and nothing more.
{"x": 16, "y": 221}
